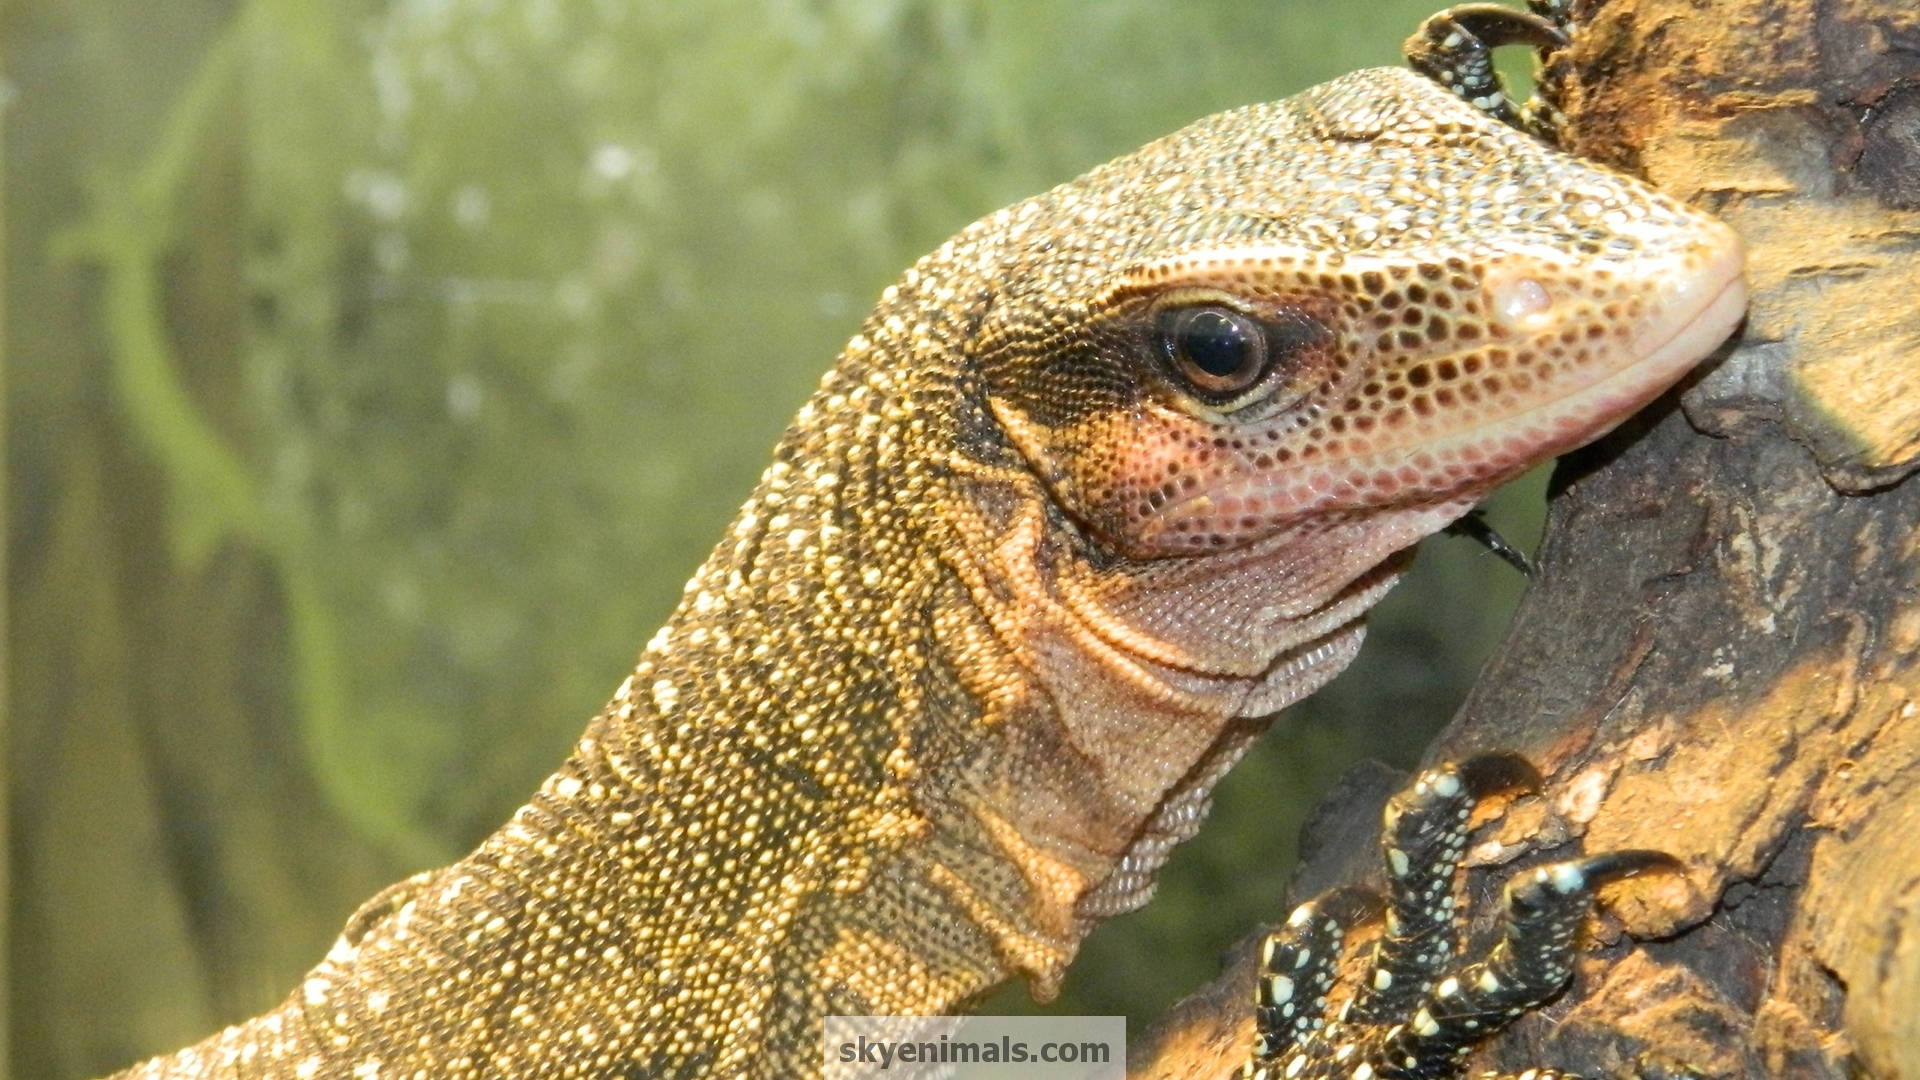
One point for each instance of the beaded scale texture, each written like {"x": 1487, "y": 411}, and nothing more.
{"x": 1100, "y": 485}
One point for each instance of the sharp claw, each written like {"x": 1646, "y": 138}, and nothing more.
{"x": 1474, "y": 527}
{"x": 1614, "y": 866}
{"x": 1499, "y": 774}
{"x": 1495, "y": 26}
{"x": 1351, "y": 905}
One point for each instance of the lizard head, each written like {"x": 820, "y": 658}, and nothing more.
{"x": 1213, "y": 392}
{"x": 1310, "y": 333}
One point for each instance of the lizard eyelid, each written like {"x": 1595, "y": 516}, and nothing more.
{"x": 1225, "y": 358}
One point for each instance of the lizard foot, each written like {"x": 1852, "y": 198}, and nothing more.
{"x": 1455, "y": 49}
{"x": 1416, "y": 1013}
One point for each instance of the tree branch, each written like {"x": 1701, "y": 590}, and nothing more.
{"x": 1721, "y": 656}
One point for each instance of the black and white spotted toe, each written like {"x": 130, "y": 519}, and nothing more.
{"x": 1455, "y": 47}
{"x": 1419, "y": 1010}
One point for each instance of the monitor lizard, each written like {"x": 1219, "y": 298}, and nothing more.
{"x": 1100, "y": 485}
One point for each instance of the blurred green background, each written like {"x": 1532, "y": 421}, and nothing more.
{"x": 377, "y": 372}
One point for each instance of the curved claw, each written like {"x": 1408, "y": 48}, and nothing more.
{"x": 1612, "y": 866}
{"x": 1496, "y": 26}
{"x": 1499, "y": 774}
{"x": 1350, "y": 905}
{"x": 1576, "y": 880}
{"x": 1475, "y": 527}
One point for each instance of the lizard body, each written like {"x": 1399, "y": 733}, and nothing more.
{"x": 1103, "y": 482}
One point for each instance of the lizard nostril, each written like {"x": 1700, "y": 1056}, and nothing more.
{"x": 1521, "y": 302}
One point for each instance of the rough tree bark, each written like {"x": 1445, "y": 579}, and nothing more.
{"x": 1721, "y": 656}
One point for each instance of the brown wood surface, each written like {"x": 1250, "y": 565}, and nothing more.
{"x": 1721, "y": 655}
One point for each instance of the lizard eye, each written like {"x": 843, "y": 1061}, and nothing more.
{"x": 1216, "y": 350}
{"x": 1228, "y": 358}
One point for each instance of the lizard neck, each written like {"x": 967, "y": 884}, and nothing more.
{"x": 905, "y": 735}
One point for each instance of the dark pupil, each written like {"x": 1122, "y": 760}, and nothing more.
{"x": 1217, "y": 343}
